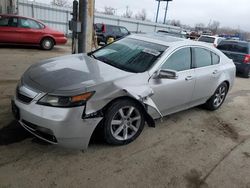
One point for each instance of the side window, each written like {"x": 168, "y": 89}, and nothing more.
{"x": 4, "y": 21}
{"x": 179, "y": 61}
{"x": 8, "y": 22}
{"x": 215, "y": 58}
{"x": 115, "y": 29}
{"x": 202, "y": 57}
{"x": 124, "y": 30}
{"x": 27, "y": 23}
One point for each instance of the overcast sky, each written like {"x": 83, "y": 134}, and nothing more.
{"x": 230, "y": 13}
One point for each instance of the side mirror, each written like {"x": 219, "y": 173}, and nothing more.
{"x": 166, "y": 74}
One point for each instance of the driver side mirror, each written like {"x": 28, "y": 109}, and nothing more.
{"x": 166, "y": 74}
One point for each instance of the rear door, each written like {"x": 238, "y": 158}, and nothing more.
{"x": 29, "y": 31}
{"x": 171, "y": 95}
{"x": 207, "y": 71}
{"x": 8, "y": 29}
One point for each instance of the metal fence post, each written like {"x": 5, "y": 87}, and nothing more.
{"x": 32, "y": 10}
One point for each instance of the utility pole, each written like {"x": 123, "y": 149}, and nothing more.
{"x": 166, "y": 10}
{"x": 157, "y": 13}
{"x": 86, "y": 17}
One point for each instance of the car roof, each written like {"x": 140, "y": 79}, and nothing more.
{"x": 236, "y": 41}
{"x": 167, "y": 40}
{"x": 18, "y": 16}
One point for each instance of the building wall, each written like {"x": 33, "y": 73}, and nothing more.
{"x": 8, "y": 7}
{"x": 58, "y": 17}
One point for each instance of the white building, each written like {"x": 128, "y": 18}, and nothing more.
{"x": 8, "y": 6}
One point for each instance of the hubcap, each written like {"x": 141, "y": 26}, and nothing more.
{"x": 125, "y": 123}
{"x": 47, "y": 44}
{"x": 220, "y": 96}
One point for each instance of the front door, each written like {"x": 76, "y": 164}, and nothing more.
{"x": 172, "y": 95}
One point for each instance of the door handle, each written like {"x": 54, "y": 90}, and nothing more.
{"x": 189, "y": 78}
{"x": 215, "y": 71}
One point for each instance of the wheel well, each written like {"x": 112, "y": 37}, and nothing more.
{"x": 49, "y": 38}
{"x": 123, "y": 98}
{"x": 227, "y": 82}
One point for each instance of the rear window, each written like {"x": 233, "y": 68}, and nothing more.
{"x": 98, "y": 27}
{"x": 231, "y": 46}
{"x": 206, "y": 39}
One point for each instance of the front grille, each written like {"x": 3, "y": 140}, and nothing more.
{"x": 23, "y": 98}
{"x": 42, "y": 132}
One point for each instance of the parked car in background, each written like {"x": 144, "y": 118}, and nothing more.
{"x": 120, "y": 87}
{"x": 213, "y": 40}
{"x": 28, "y": 31}
{"x": 239, "y": 52}
{"x": 173, "y": 34}
{"x": 106, "y": 32}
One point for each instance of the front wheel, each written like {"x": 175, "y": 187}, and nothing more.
{"x": 218, "y": 97}
{"x": 123, "y": 122}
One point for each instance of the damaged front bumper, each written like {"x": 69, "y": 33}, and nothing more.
{"x": 62, "y": 126}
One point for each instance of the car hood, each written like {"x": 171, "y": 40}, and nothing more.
{"x": 70, "y": 74}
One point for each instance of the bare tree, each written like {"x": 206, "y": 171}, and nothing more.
{"x": 175, "y": 23}
{"x": 109, "y": 10}
{"x": 61, "y": 3}
{"x": 214, "y": 26}
{"x": 141, "y": 15}
{"x": 128, "y": 13}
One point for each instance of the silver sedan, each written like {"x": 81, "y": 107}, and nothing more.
{"x": 120, "y": 87}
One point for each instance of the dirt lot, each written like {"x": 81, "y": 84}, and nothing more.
{"x": 194, "y": 148}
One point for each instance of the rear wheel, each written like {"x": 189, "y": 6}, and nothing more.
{"x": 47, "y": 44}
{"x": 123, "y": 122}
{"x": 218, "y": 97}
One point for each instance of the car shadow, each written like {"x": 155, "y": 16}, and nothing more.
{"x": 16, "y": 46}
{"x": 13, "y": 133}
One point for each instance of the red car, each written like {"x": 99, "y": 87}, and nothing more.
{"x": 22, "y": 30}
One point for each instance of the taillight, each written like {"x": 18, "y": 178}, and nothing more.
{"x": 247, "y": 59}
{"x": 104, "y": 28}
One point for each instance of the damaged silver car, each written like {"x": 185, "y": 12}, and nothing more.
{"x": 120, "y": 87}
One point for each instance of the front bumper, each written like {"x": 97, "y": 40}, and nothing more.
{"x": 62, "y": 126}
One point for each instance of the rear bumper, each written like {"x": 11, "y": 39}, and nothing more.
{"x": 61, "y": 40}
{"x": 242, "y": 67}
{"x": 60, "y": 126}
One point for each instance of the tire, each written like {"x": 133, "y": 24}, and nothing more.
{"x": 119, "y": 126}
{"x": 247, "y": 73}
{"x": 47, "y": 44}
{"x": 218, "y": 97}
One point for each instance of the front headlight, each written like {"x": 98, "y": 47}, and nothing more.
{"x": 65, "y": 101}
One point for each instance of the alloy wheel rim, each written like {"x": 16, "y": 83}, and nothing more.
{"x": 125, "y": 123}
{"x": 220, "y": 96}
{"x": 47, "y": 44}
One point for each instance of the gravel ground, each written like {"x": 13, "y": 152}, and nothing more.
{"x": 194, "y": 148}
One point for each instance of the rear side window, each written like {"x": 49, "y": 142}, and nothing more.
{"x": 8, "y": 22}
{"x": 179, "y": 61}
{"x": 234, "y": 47}
{"x": 202, "y": 57}
{"x": 215, "y": 58}
{"x": 206, "y": 39}
{"x": 27, "y": 23}
{"x": 114, "y": 29}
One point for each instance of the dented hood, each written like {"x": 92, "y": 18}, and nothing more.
{"x": 74, "y": 73}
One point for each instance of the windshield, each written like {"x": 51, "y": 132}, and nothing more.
{"x": 131, "y": 55}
